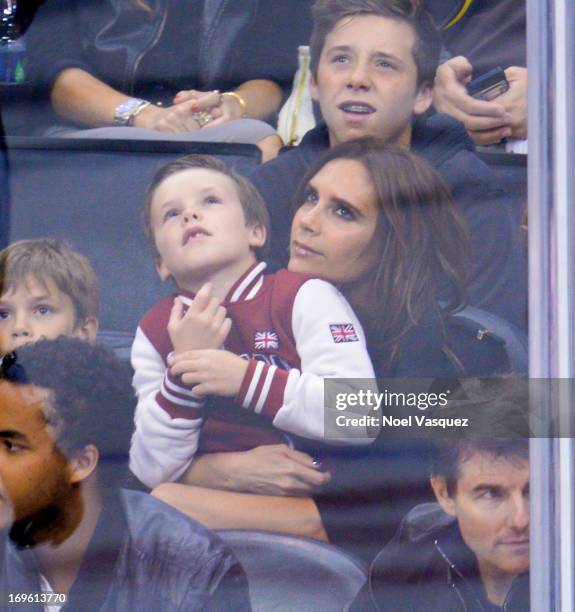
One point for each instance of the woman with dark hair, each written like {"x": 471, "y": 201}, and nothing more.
{"x": 408, "y": 245}
{"x": 380, "y": 224}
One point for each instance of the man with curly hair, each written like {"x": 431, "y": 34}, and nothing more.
{"x": 65, "y": 425}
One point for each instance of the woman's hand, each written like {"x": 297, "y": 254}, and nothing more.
{"x": 176, "y": 118}
{"x": 265, "y": 470}
{"x": 222, "y": 108}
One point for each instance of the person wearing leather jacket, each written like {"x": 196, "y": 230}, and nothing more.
{"x": 66, "y": 526}
{"x": 469, "y": 552}
{"x": 154, "y": 63}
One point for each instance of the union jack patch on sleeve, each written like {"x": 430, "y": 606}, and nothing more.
{"x": 343, "y": 332}
{"x": 266, "y": 340}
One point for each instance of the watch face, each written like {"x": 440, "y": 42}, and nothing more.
{"x": 125, "y": 110}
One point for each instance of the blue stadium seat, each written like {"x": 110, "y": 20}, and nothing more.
{"x": 291, "y": 573}
{"x": 91, "y": 193}
{"x": 491, "y": 328}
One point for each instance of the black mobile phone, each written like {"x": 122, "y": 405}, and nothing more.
{"x": 489, "y": 85}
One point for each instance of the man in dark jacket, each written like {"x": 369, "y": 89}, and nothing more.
{"x": 75, "y": 536}
{"x": 470, "y": 551}
{"x": 373, "y": 66}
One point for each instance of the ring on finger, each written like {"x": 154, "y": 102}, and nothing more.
{"x": 202, "y": 117}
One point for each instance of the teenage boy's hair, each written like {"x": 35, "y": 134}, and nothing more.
{"x": 498, "y": 425}
{"x": 92, "y": 400}
{"x": 427, "y": 46}
{"x": 253, "y": 205}
{"x": 51, "y": 259}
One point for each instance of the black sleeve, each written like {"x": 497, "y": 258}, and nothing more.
{"x": 499, "y": 275}
{"x": 270, "y": 49}
{"x": 54, "y": 43}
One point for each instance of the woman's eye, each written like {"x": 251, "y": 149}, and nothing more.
{"x": 310, "y": 196}
{"x": 339, "y": 59}
{"x": 213, "y": 200}
{"x": 4, "y": 314}
{"x": 344, "y": 212}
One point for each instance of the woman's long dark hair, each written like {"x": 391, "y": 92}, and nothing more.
{"x": 424, "y": 240}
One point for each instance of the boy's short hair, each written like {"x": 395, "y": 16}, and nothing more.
{"x": 426, "y": 49}
{"x": 51, "y": 259}
{"x": 497, "y": 410}
{"x": 92, "y": 400}
{"x": 253, "y": 205}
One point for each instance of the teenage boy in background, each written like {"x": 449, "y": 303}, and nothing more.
{"x": 373, "y": 63}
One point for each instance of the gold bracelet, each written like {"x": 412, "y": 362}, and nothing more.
{"x": 238, "y": 99}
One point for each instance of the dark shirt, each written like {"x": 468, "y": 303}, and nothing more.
{"x": 491, "y": 33}
{"x": 499, "y": 280}
{"x": 171, "y": 65}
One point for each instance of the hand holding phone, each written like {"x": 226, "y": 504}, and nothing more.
{"x": 489, "y": 85}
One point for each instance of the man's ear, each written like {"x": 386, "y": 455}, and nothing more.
{"x": 423, "y": 99}
{"x": 313, "y": 88}
{"x": 88, "y": 329}
{"x": 258, "y": 235}
{"x": 163, "y": 272}
{"x": 439, "y": 486}
{"x": 83, "y": 463}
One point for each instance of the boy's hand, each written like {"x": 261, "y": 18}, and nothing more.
{"x": 213, "y": 372}
{"x": 203, "y": 326}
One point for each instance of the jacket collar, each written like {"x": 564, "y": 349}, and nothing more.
{"x": 463, "y": 573}
{"x": 97, "y": 569}
{"x": 244, "y": 289}
{"x": 436, "y": 138}
{"x": 430, "y": 521}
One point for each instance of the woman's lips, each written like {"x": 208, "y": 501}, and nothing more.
{"x": 303, "y": 250}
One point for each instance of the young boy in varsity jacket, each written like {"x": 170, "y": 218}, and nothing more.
{"x": 235, "y": 359}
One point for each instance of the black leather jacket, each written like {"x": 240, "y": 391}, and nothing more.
{"x": 235, "y": 41}
{"x": 427, "y": 567}
{"x": 144, "y": 555}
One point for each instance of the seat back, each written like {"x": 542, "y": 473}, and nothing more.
{"x": 511, "y": 171}
{"x": 91, "y": 193}
{"x": 292, "y": 573}
{"x": 497, "y": 334}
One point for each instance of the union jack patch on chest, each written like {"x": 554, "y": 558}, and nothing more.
{"x": 266, "y": 340}
{"x": 343, "y": 332}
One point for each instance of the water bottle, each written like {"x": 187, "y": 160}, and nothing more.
{"x": 296, "y": 116}
{"x": 12, "y": 45}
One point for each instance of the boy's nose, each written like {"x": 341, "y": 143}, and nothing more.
{"x": 191, "y": 215}
{"x": 21, "y": 328}
{"x": 359, "y": 76}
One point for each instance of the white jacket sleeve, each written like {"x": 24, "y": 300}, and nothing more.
{"x": 168, "y": 418}
{"x": 331, "y": 344}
